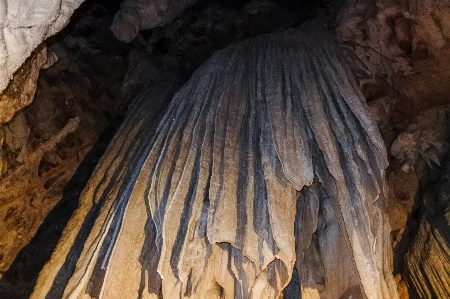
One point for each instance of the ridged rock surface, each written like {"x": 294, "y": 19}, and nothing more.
{"x": 24, "y": 25}
{"x": 136, "y": 15}
{"x": 427, "y": 259}
{"x": 265, "y": 174}
{"x": 22, "y": 88}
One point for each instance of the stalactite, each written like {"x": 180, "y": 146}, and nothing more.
{"x": 265, "y": 164}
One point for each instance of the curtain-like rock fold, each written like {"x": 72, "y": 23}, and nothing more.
{"x": 266, "y": 164}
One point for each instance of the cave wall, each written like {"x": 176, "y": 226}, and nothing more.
{"x": 222, "y": 196}
{"x": 398, "y": 49}
{"x": 24, "y": 25}
{"x": 136, "y": 15}
{"x": 403, "y": 48}
{"x": 44, "y": 143}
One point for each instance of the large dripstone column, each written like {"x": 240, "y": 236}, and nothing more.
{"x": 265, "y": 173}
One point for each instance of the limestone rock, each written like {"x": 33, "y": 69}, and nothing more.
{"x": 20, "y": 92}
{"x": 427, "y": 140}
{"x": 265, "y": 173}
{"x": 24, "y": 25}
{"x": 136, "y": 15}
{"x": 17, "y": 133}
{"x": 403, "y": 188}
{"x": 83, "y": 84}
{"x": 394, "y": 35}
{"x": 16, "y": 221}
{"x": 427, "y": 260}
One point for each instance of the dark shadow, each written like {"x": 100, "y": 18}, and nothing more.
{"x": 19, "y": 280}
{"x": 431, "y": 203}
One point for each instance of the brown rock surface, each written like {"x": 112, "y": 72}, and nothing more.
{"x": 427, "y": 258}
{"x": 254, "y": 143}
{"x": 43, "y": 144}
{"x": 20, "y": 91}
{"x": 398, "y": 50}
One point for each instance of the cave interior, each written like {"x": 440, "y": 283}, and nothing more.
{"x": 75, "y": 115}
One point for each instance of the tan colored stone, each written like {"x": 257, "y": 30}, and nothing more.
{"x": 20, "y": 91}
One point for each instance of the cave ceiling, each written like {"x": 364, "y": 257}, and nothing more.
{"x": 121, "y": 99}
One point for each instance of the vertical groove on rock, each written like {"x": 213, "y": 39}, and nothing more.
{"x": 427, "y": 259}
{"x": 265, "y": 160}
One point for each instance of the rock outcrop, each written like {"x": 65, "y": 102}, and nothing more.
{"x": 24, "y": 25}
{"x": 22, "y": 88}
{"x": 427, "y": 260}
{"x": 423, "y": 254}
{"x": 43, "y": 144}
{"x": 136, "y": 15}
{"x": 264, "y": 176}
{"x": 395, "y": 34}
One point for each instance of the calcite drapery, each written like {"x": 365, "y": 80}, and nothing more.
{"x": 266, "y": 164}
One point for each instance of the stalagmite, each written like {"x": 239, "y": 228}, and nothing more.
{"x": 265, "y": 172}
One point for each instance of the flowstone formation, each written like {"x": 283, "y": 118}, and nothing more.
{"x": 264, "y": 177}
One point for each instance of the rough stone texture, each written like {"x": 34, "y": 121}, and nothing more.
{"x": 427, "y": 260}
{"x": 136, "y": 15}
{"x": 20, "y": 91}
{"x": 27, "y": 176}
{"x": 401, "y": 67}
{"x": 428, "y": 139}
{"x": 24, "y": 25}
{"x": 403, "y": 188}
{"x": 399, "y": 50}
{"x": 422, "y": 253}
{"x": 43, "y": 144}
{"x": 266, "y": 161}
{"x": 395, "y": 34}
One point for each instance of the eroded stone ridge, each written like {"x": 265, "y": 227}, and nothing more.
{"x": 265, "y": 172}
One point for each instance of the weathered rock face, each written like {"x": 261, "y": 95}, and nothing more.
{"x": 402, "y": 49}
{"x": 21, "y": 90}
{"x": 403, "y": 32}
{"x": 43, "y": 144}
{"x": 266, "y": 166}
{"x": 427, "y": 260}
{"x": 24, "y": 25}
{"x": 398, "y": 49}
{"x": 423, "y": 254}
{"x": 136, "y": 15}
